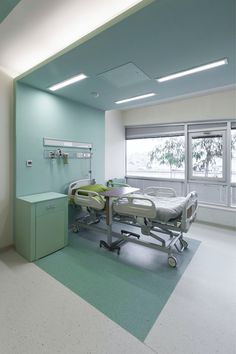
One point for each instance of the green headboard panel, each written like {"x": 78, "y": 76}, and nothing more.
{"x": 38, "y": 115}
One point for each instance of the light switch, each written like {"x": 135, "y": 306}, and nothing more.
{"x": 29, "y": 163}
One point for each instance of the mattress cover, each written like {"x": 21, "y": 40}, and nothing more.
{"x": 161, "y": 209}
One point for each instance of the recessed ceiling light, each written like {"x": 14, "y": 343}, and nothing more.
{"x": 70, "y": 81}
{"x": 193, "y": 70}
{"x": 136, "y": 98}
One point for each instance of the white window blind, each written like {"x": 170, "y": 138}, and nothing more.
{"x": 153, "y": 131}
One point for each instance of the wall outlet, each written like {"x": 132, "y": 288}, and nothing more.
{"x": 51, "y": 155}
{"x": 80, "y": 155}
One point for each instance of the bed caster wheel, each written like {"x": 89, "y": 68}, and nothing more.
{"x": 172, "y": 261}
{"x": 184, "y": 244}
{"x": 75, "y": 229}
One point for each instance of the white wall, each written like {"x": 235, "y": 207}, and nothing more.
{"x": 218, "y": 216}
{"x": 6, "y": 147}
{"x": 218, "y": 105}
{"x": 114, "y": 145}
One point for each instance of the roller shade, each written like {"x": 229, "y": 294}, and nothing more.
{"x": 153, "y": 131}
{"x": 202, "y": 126}
{"x": 233, "y": 125}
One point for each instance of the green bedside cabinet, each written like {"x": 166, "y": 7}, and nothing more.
{"x": 41, "y": 224}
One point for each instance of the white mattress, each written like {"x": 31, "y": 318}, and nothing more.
{"x": 163, "y": 210}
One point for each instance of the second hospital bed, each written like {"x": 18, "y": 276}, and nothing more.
{"x": 158, "y": 211}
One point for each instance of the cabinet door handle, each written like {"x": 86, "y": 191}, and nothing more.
{"x": 52, "y": 206}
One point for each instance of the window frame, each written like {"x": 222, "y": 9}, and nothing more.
{"x": 186, "y": 128}
{"x": 201, "y": 134}
{"x": 232, "y": 184}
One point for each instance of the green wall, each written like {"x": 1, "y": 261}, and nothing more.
{"x": 39, "y": 115}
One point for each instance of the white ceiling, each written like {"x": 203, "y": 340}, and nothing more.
{"x": 36, "y": 30}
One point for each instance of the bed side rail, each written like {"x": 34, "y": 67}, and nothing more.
{"x": 190, "y": 211}
{"x": 76, "y": 184}
{"x": 89, "y": 199}
{"x": 160, "y": 192}
{"x": 136, "y": 206}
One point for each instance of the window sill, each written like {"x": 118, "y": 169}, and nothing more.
{"x": 156, "y": 178}
{"x": 218, "y": 207}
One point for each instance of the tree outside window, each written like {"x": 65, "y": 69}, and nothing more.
{"x": 207, "y": 156}
{"x": 170, "y": 152}
{"x": 164, "y": 157}
{"x": 161, "y": 157}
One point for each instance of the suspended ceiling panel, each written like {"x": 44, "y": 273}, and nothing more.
{"x": 124, "y": 75}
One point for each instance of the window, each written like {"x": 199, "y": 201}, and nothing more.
{"x": 161, "y": 157}
{"x": 207, "y": 155}
{"x": 185, "y": 156}
{"x": 233, "y": 155}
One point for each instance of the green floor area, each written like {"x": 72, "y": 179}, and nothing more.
{"x": 131, "y": 289}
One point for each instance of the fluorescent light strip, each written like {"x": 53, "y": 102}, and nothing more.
{"x": 193, "y": 70}
{"x": 136, "y": 98}
{"x": 70, "y": 81}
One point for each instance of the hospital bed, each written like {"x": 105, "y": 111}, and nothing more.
{"x": 158, "y": 211}
{"x": 89, "y": 201}
{"x": 154, "y": 211}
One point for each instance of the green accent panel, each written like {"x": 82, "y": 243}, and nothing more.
{"x": 131, "y": 289}
{"x": 6, "y": 6}
{"x": 39, "y": 115}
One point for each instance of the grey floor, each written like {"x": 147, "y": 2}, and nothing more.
{"x": 39, "y": 315}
